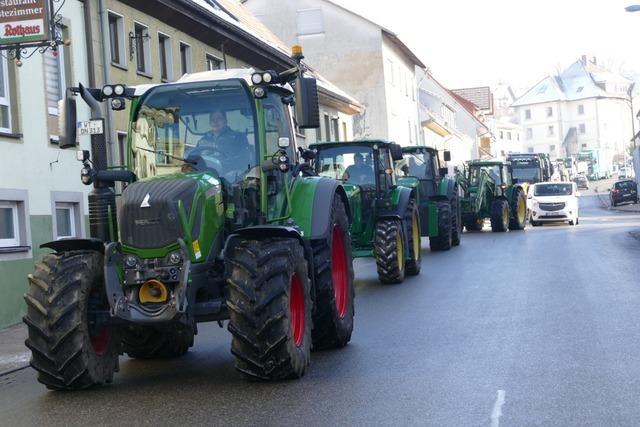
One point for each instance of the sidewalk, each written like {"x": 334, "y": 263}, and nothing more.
{"x": 13, "y": 353}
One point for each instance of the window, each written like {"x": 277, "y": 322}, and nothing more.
{"x": 552, "y": 148}
{"x": 116, "y": 38}
{"x": 579, "y": 89}
{"x": 580, "y": 109}
{"x": 166, "y": 61}
{"x": 550, "y": 130}
{"x": 529, "y": 133}
{"x": 517, "y": 137}
{"x": 143, "y": 56}
{"x": 327, "y": 128}
{"x": 309, "y": 22}
{"x": 527, "y": 114}
{"x": 335, "y": 127}
{"x": 122, "y": 147}
{"x": 530, "y": 149}
{"x": 501, "y": 135}
{"x": 345, "y": 137}
{"x": 582, "y": 128}
{"x": 185, "y": 58}
{"x": 584, "y": 146}
{"x": 55, "y": 81}
{"x": 549, "y": 111}
{"x": 5, "y": 106}
{"x": 213, "y": 63}
{"x": 509, "y": 136}
{"x": 65, "y": 220}
{"x": 9, "y": 225}
{"x": 542, "y": 89}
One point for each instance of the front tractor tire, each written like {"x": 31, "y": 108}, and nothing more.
{"x": 519, "y": 211}
{"x": 456, "y": 220}
{"x": 499, "y": 215}
{"x": 148, "y": 342}
{"x": 388, "y": 249}
{"x": 412, "y": 219}
{"x": 333, "y": 265}
{"x": 72, "y": 342}
{"x": 474, "y": 224}
{"x": 270, "y": 308}
{"x": 443, "y": 241}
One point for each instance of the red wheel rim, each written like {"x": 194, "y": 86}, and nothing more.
{"x": 339, "y": 274}
{"x": 296, "y": 310}
{"x": 100, "y": 341}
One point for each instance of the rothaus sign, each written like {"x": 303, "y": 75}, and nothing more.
{"x": 23, "y": 21}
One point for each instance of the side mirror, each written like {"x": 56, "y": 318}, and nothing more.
{"x": 446, "y": 155}
{"x": 307, "y": 110}
{"x": 67, "y": 122}
{"x": 396, "y": 152}
{"x": 443, "y": 172}
{"x": 283, "y": 142}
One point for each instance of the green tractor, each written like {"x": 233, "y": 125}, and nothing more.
{"x": 438, "y": 196}
{"x": 490, "y": 191}
{"x": 386, "y": 221}
{"x": 217, "y": 221}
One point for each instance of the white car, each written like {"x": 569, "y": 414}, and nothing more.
{"x": 553, "y": 202}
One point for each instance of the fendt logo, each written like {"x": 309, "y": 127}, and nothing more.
{"x": 145, "y": 201}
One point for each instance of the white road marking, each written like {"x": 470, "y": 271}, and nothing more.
{"x": 497, "y": 409}
{"x": 15, "y": 358}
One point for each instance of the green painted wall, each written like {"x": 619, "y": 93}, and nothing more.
{"x": 13, "y": 274}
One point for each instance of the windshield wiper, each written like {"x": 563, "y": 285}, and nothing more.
{"x": 162, "y": 153}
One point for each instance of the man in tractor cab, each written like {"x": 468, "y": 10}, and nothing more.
{"x": 230, "y": 148}
{"x": 359, "y": 172}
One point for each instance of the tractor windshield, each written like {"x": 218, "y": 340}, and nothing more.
{"x": 420, "y": 165}
{"x": 494, "y": 171}
{"x": 211, "y": 125}
{"x": 352, "y": 164}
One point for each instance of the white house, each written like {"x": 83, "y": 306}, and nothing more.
{"x": 365, "y": 59}
{"x": 585, "y": 107}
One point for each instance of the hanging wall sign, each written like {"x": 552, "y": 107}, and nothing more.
{"x": 23, "y": 21}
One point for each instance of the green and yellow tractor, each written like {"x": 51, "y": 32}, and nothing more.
{"x": 490, "y": 191}
{"x": 386, "y": 221}
{"x": 220, "y": 219}
{"x": 437, "y": 195}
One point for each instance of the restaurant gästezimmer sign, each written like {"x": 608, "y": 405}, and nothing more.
{"x": 23, "y": 21}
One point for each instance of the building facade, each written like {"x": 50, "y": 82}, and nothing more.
{"x": 368, "y": 61}
{"x": 41, "y": 196}
{"x": 586, "y": 107}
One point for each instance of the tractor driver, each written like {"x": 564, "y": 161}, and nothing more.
{"x": 359, "y": 172}
{"x": 230, "y": 148}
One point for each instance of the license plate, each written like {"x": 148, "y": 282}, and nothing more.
{"x": 90, "y": 127}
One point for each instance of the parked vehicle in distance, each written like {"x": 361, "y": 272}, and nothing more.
{"x": 625, "y": 173}
{"x": 553, "y": 202}
{"x": 623, "y": 191}
{"x": 581, "y": 181}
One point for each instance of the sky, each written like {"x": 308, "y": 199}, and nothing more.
{"x": 469, "y": 43}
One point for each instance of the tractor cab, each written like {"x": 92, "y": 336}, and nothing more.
{"x": 422, "y": 164}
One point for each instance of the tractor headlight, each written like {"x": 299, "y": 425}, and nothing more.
{"x": 107, "y": 90}
{"x": 259, "y": 92}
{"x": 130, "y": 261}
{"x": 256, "y": 78}
{"x": 118, "y": 90}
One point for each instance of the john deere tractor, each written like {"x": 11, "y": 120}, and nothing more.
{"x": 490, "y": 191}
{"x": 215, "y": 222}
{"x": 386, "y": 221}
{"x": 437, "y": 196}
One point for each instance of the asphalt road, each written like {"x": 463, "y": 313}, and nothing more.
{"x": 533, "y": 328}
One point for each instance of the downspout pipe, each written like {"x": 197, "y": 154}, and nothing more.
{"x": 106, "y": 61}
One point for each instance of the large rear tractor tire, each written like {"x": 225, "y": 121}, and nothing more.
{"x": 519, "y": 211}
{"x": 442, "y": 242}
{"x": 412, "y": 219}
{"x": 499, "y": 215}
{"x": 388, "y": 249}
{"x": 334, "y": 305}
{"x": 456, "y": 220}
{"x": 146, "y": 342}
{"x": 474, "y": 225}
{"x": 270, "y": 308}
{"x": 72, "y": 341}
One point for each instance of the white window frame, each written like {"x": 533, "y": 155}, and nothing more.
{"x": 189, "y": 58}
{"x": 168, "y": 53}
{"x": 62, "y": 81}
{"x": 122, "y": 52}
{"x": 5, "y": 101}
{"x": 8, "y": 243}
{"x": 582, "y": 128}
{"x": 146, "y": 49}
{"x": 527, "y": 114}
{"x": 310, "y": 31}
{"x": 208, "y": 56}
{"x": 71, "y": 207}
{"x": 551, "y": 130}
{"x": 581, "y": 109}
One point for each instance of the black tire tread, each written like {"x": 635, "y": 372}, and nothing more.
{"x": 386, "y": 252}
{"x": 443, "y": 241}
{"x": 414, "y": 264}
{"x": 155, "y": 343}
{"x": 496, "y": 215}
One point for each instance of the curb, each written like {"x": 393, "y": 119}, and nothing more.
{"x": 11, "y": 371}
